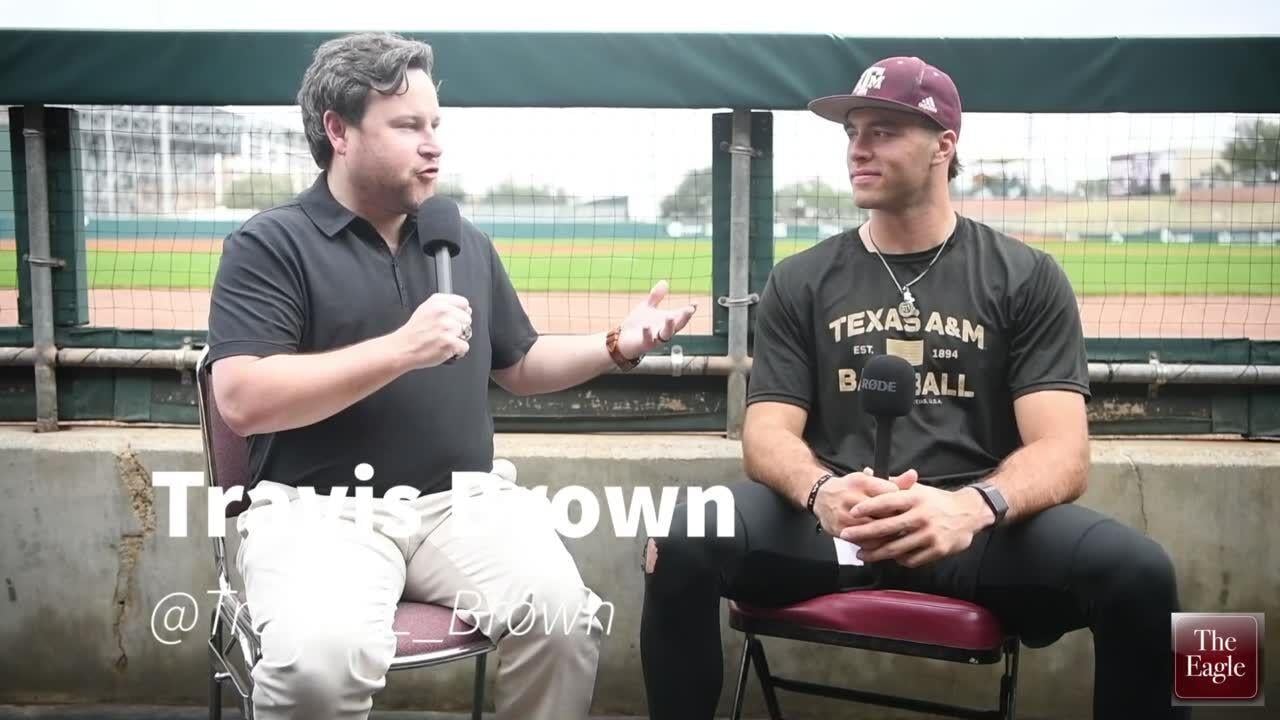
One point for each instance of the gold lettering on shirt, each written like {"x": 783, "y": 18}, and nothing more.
{"x": 848, "y": 380}
{"x": 892, "y": 321}
{"x": 927, "y": 383}
{"x": 935, "y": 324}
{"x": 973, "y": 334}
{"x": 929, "y": 386}
{"x": 953, "y": 327}
{"x": 855, "y": 323}
{"x": 852, "y": 325}
{"x": 947, "y": 390}
{"x": 873, "y": 320}
{"x": 835, "y": 326}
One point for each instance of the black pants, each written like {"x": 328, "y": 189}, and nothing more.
{"x": 1063, "y": 569}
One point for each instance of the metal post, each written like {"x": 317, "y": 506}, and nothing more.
{"x": 109, "y": 180}
{"x": 739, "y": 258}
{"x": 167, "y": 204}
{"x": 39, "y": 261}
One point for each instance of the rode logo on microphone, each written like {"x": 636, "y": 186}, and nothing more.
{"x": 878, "y": 385}
{"x": 1218, "y": 659}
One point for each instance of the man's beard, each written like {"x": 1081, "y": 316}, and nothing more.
{"x": 383, "y": 190}
{"x": 898, "y": 197}
{"x": 391, "y": 193}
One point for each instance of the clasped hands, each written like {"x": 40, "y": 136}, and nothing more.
{"x": 899, "y": 519}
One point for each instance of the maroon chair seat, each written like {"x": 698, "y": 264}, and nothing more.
{"x": 422, "y": 628}
{"x": 891, "y": 615}
{"x": 890, "y": 621}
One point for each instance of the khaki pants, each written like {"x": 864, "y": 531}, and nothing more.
{"x": 322, "y": 594}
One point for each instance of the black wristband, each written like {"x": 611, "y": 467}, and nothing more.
{"x": 813, "y": 491}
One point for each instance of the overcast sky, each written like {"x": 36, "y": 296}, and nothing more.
{"x": 841, "y": 17}
{"x": 644, "y": 153}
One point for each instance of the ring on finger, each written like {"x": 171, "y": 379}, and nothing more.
{"x": 466, "y": 332}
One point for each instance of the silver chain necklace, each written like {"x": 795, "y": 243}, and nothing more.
{"x": 907, "y": 308}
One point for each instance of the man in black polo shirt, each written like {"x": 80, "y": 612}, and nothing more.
{"x": 329, "y": 344}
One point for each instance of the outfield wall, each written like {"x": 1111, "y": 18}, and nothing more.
{"x": 1101, "y": 219}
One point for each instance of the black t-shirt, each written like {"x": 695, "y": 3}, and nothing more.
{"x": 309, "y": 277}
{"x": 997, "y": 319}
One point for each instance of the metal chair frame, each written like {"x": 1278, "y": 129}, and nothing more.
{"x": 753, "y": 652}
{"x": 230, "y": 622}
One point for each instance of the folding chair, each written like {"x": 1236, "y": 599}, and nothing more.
{"x": 416, "y": 625}
{"x": 892, "y": 621}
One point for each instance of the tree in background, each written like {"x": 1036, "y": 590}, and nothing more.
{"x": 691, "y": 200}
{"x": 814, "y": 200}
{"x": 1254, "y": 154}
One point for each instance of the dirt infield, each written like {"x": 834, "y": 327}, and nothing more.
{"x": 1257, "y": 318}
{"x": 551, "y": 312}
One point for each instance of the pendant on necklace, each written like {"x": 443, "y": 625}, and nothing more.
{"x": 907, "y": 308}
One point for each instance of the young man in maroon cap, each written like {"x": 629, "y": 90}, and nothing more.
{"x": 983, "y": 470}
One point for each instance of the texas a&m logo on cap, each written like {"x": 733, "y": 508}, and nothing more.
{"x": 872, "y": 79}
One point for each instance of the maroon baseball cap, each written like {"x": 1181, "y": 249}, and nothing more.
{"x": 898, "y": 83}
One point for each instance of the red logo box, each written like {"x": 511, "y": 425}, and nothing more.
{"x": 1217, "y": 658}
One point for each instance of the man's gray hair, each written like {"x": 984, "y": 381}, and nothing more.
{"x": 343, "y": 72}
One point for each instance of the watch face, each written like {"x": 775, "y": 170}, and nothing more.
{"x": 995, "y": 500}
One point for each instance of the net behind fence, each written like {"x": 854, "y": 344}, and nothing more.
{"x": 1166, "y": 224}
{"x": 575, "y": 216}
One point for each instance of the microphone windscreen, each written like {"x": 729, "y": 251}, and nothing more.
{"x": 440, "y": 222}
{"x": 887, "y": 387}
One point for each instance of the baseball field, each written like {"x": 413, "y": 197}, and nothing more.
{"x": 1170, "y": 277}
{"x": 576, "y": 284}
{"x": 623, "y": 266}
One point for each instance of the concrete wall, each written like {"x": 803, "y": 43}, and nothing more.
{"x": 87, "y": 553}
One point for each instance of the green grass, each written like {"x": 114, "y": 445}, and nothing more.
{"x": 607, "y": 265}
{"x": 1127, "y": 214}
{"x": 1096, "y": 268}
{"x": 179, "y": 270}
{"x": 1157, "y": 269}
{"x": 632, "y": 266}
{"x": 8, "y": 269}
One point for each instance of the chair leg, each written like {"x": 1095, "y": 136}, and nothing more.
{"x": 477, "y": 695}
{"x": 766, "y": 679}
{"x": 215, "y": 687}
{"x": 743, "y": 672}
{"x": 1009, "y": 681}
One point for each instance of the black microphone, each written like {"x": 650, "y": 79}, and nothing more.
{"x": 440, "y": 228}
{"x": 887, "y": 390}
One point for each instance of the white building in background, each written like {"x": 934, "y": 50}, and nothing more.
{"x": 996, "y": 177}
{"x": 1160, "y": 172}
{"x": 182, "y": 160}
{"x": 604, "y": 210}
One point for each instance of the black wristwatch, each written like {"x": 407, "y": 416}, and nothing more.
{"x": 994, "y": 499}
